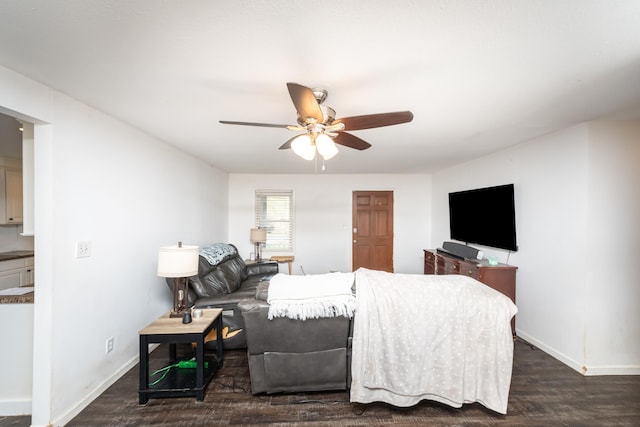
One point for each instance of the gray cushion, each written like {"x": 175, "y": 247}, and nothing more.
{"x": 292, "y": 372}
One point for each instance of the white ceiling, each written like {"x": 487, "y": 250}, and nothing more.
{"x": 477, "y": 75}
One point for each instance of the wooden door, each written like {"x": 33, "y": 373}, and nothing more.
{"x": 373, "y": 230}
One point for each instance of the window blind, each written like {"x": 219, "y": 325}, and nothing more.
{"x": 274, "y": 211}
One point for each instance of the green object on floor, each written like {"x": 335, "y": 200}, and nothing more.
{"x": 190, "y": 364}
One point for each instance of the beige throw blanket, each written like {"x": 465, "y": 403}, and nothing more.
{"x": 311, "y": 297}
{"x": 442, "y": 338}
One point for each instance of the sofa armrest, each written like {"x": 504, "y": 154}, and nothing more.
{"x": 269, "y": 267}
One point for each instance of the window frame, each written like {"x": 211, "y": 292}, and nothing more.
{"x": 284, "y": 241}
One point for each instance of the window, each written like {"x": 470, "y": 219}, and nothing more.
{"x": 274, "y": 211}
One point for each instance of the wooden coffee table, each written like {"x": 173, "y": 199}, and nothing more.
{"x": 181, "y": 382}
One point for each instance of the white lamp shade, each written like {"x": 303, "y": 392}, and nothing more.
{"x": 178, "y": 261}
{"x": 326, "y": 147}
{"x": 258, "y": 235}
{"x": 303, "y": 147}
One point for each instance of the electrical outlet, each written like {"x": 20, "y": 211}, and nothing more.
{"x": 83, "y": 249}
{"x": 109, "y": 345}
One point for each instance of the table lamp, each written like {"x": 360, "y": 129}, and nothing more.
{"x": 258, "y": 237}
{"x": 178, "y": 262}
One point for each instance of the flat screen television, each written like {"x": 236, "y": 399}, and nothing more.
{"x": 484, "y": 216}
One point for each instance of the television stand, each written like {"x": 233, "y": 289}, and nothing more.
{"x": 501, "y": 277}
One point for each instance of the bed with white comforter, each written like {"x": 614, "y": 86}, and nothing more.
{"x": 442, "y": 338}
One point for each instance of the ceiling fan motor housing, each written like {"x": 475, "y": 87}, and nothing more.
{"x": 320, "y": 94}
{"x": 328, "y": 114}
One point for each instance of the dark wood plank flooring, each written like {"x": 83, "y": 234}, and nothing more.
{"x": 543, "y": 392}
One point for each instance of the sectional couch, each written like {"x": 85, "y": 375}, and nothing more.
{"x": 223, "y": 280}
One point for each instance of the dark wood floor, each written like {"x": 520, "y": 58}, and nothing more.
{"x": 543, "y": 392}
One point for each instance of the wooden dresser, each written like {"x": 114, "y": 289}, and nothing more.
{"x": 501, "y": 277}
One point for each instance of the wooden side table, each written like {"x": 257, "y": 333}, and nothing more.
{"x": 181, "y": 382}
{"x": 284, "y": 258}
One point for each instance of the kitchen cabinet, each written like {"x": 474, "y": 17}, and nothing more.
{"x": 13, "y": 187}
{"x": 16, "y": 272}
{"x": 16, "y": 359}
{"x": 11, "y": 211}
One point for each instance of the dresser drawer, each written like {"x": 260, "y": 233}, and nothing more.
{"x": 470, "y": 269}
{"x": 451, "y": 266}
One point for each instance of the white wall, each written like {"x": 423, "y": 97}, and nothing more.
{"x": 555, "y": 219}
{"x": 612, "y": 306}
{"x": 102, "y": 181}
{"x": 323, "y": 216}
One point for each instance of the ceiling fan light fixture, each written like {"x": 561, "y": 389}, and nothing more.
{"x": 326, "y": 147}
{"x": 303, "y": 147}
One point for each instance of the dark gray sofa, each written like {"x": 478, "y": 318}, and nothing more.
{"x": 287, "y": 355}
{"x": 223, "y": 280}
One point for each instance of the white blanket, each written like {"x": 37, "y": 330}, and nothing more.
{"x": 442, "y": 338}
{"x": 311, "y": 297}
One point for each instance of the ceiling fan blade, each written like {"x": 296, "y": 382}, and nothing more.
{"x": 375, "y": 120}
{"x": 266, "y": 125}
{"x": 351, "y": 141}
{"x": 305, "y": 102}
{"x": 287, "y": 144}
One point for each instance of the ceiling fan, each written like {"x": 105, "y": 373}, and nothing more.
{"x": 322, "y": 131}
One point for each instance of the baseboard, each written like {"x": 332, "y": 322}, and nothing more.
{"x": 613, "y": 370}
{"x": 12, "y": 408}
{"x": 101, "y": 388}
{"x": 576, "y": 366}
{"x": 579, "y": 367}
